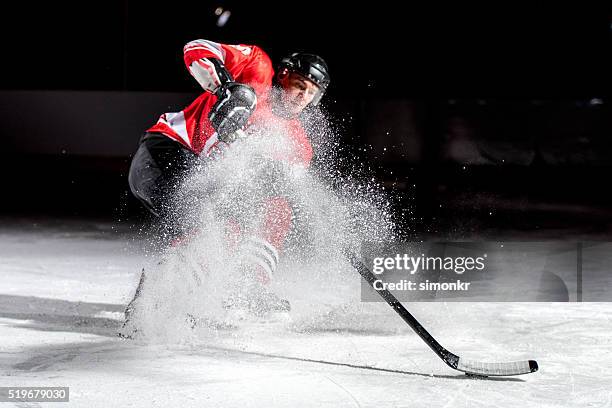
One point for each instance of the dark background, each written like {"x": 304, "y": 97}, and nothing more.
{"x": 501, "y": 50}
{"x": 494, "y": 118}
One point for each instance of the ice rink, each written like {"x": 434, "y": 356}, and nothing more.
{"x": 65, "y": 285}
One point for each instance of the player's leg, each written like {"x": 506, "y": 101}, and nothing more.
{"x": 265, "y": 248}
{"x": 158, "y": 167}
{"x": 260, "y": 257}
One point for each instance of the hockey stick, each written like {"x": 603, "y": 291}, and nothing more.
{"x": 470, "y": 367}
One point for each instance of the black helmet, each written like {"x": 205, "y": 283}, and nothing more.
{"x": 309, "y": 66}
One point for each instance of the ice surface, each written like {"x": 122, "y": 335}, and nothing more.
{"x": 63, "y": 289}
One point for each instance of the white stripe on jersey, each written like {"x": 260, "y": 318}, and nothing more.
{"x": 176, "y": 121}
{"x": 214, "y": 138}
{"x": 211, "y": 46}
{"x": 204, "y": 72}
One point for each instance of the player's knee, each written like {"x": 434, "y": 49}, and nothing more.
{"x": 277, "y": 221}
{"x": 279, "y": 210}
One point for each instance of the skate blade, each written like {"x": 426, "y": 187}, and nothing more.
{"x": 127, "y": 332}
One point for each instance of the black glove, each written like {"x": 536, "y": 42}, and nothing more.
{"x": 232, "y": 110}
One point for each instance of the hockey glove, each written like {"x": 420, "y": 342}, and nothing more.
{"x": 232, "y": 110}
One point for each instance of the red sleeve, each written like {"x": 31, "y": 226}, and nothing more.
{"x": 198, "y": 49}
{"x": 248, "y": 64}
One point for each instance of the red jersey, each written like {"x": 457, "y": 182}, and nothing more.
{"x": 248, "y": 65}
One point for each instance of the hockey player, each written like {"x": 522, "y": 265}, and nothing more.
{"x": 240, "y": 91}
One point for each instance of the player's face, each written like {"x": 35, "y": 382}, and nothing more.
{"x": 298, "y": 92}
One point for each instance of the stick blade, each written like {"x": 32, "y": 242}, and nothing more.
{"x": 497, "y": 369}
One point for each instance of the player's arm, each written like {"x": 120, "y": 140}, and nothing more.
{"x": 205, "y": 60}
